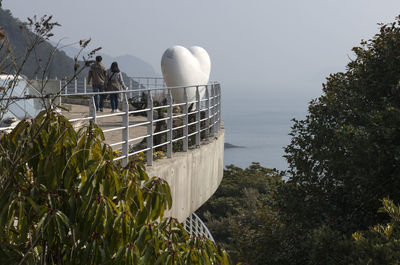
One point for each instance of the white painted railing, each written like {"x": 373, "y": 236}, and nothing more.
{"x": 209, "y": 107}
{"x": 80, "y": 85}
{"x": 202, "y": 116}
{"x": 195, "y": 227}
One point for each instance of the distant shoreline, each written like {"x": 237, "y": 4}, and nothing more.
{"x": 229, "y": 145}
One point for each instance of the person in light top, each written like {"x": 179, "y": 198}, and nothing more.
{"x": 114, "y": 82}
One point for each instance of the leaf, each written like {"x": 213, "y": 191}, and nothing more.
{"x": 32, "y": 203}
{"x": 140, "y": 239}
{"x": 161, "y": 258}
{"x": 60, "y": 228}
{"x": 146, "y": 258}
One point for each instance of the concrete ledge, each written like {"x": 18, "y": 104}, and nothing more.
{"x": 193, "y": 176}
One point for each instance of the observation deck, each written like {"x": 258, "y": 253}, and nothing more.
{"x": 181, "y": 142}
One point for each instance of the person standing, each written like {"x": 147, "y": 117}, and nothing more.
{"x": 114, "y": 82}
{"x": 97, "y": 76}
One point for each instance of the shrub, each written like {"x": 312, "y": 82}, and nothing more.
{"x": 65, "y": 201}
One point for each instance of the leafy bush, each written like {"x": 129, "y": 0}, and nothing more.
{"x": 381, "y": 244}
{"x": 345, "y": 155}
{"x": 343, "y": 158}
{"x": 65, "y": 201}
{"x": 241, "y": 214}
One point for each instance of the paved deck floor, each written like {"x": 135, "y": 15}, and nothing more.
{"x": 80, "y": 111}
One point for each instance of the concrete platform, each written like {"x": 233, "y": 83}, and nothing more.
{"x": 193, "y": 176}
{"x": 80, "y": 111}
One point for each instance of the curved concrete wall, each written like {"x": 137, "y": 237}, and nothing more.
{"x": 193, "y": 176}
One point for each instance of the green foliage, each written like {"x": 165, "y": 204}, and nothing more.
{"x": 343, "y": 158}
{"x": 381, "y": 244}
{"x": 64, "y": 201}
{"x": 20, "y": 39}
{"x": 229, "y": 196}
{"x": 45, "y": 60}
{"x": 241, "y": 214}
{"x": 345, "y": 155}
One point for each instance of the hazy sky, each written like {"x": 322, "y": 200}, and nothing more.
{"x": 256, "y": 45}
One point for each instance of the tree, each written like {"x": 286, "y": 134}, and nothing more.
{"x": 381, "y": 243}
{"x": 65, "y": 201}
{"x": 242, "y": 215}
{"x": 345, "y": 155}
{"x": 343, "y": 158}
{"x": 24, "y": 50}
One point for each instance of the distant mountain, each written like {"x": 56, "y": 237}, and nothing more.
{"x": 133, "y": 66}
{"x": 61, "y": 65}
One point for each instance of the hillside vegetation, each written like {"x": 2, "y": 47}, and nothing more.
{"x": 339, "y": 205}
{"x": 61, "y": 65}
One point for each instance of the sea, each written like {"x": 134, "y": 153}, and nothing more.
{"x": 258, "y": 123}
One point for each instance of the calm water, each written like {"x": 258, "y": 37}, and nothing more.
{"x": 261, "y": 126}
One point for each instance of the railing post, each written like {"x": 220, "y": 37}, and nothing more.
{"x": 125, "y": 131}
{"x": 76, "y": 85}
{"x": 185, "y": 121}
{"x": 60, "y": 91}
{"x": 197, "y": 116}
{"x": 66, "y": 87}
{"x": 150, "y": 129}
{"x": 169, "y": 124}
{"x": 84, "y": 85}
{"x": 140, "y": 94}
{"x": 191, "y": 225}
{"x": 92, "y": 109}
{"x": 219, "y": 106}
{"x": 184, "y": 224}
{"x": 213, "y": 110}
{"x": 207, "y": 112}
{"x": 216, "y": 103}
{"x": 196, "y": 227}
{"x": 130, "y": 87}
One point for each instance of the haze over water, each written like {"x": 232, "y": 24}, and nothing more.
{"x": 260, "y": 124}
{"x": 275, "y": 53}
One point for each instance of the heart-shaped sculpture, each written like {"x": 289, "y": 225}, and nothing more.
{"x": 186, "y": 67}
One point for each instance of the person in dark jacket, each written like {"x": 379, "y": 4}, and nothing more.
{"x": 97, "y": 75}
{"x": 114, "y": 82}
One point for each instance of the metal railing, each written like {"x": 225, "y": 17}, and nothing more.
{"x": 195, "y": 227}
{"x": 200, "y": 120}
{"x": 80, "y": 85}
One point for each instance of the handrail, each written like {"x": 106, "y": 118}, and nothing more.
{"x": 200, "y": 117}
{"x": 201, "y": 120}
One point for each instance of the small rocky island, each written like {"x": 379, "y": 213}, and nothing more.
{"x": 229, "y": 145}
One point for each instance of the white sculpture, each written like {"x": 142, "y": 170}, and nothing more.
{"x": 186, "y": 67}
